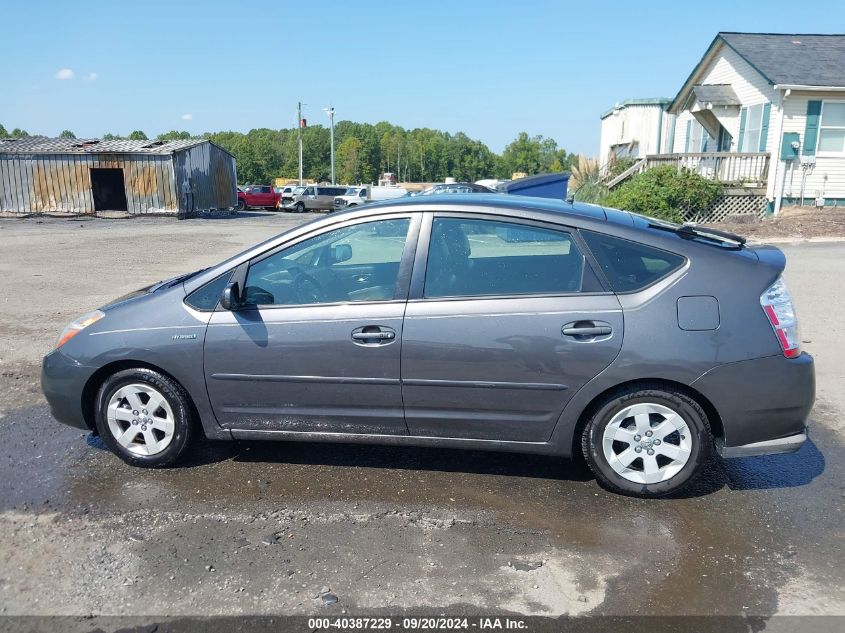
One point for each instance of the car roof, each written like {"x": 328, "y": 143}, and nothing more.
{"x": 502, "y": 201}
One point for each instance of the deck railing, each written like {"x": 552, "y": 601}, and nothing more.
{"x": 747, "y": 168}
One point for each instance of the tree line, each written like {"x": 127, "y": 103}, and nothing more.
{"x": 363, "y": 151}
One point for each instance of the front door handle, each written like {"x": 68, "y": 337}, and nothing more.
{"x": 373, "y": 335}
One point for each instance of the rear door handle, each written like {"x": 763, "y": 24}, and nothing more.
{"x": 586, "y": 330}
{"x": 597, "y": 330}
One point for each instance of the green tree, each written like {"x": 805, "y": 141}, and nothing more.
{"x": 349, "y": 161}
{"x": 137, "y": 135}
{"x": 3, "y": 132}
{"x": 108, "y": 136}
{"x": 665, "y": 192}
{"x": 19, "y": 133}
{"x": 67, "y": 134}
{"x": 174, "y": 135}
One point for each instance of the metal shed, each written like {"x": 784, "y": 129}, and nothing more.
{"x": 86, "y": 176}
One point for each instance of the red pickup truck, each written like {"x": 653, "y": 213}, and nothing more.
{"x": 258, "y": 196}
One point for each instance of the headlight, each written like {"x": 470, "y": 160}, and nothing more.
{"x": 78, "y": 325}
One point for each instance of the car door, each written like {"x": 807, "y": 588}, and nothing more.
{"x": 312, "y": 349}
{"x": 506, "y": 320}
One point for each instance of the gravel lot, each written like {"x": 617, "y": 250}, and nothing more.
{"x": 272, "y": 528}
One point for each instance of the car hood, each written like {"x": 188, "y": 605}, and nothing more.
{"x": 148, "y": 290}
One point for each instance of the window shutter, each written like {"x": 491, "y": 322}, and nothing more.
{"x": 764, "y": 126}
{"x": 811, "y": 131}
{"x": 742, "y": 114}
{"x": 689, "y": 131}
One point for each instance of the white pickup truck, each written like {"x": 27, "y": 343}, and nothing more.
{"x": 362, "y": 194}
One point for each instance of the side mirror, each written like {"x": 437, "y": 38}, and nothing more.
{"x": 231, "y": 297}
{"x": 341, "y": 253}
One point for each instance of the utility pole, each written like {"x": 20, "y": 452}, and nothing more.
{"x": 330, "y": 112}
{"x": 299, "y": 129}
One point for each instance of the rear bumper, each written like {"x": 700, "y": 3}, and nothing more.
{"x": 763, "y": 403}
{"x": 788, "y": 444}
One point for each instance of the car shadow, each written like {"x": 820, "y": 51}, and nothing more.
{"x": 775, "y": 471}
{"x": 751, "y": 473}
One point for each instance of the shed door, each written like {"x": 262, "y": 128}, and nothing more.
{"x": 109, "y": 189}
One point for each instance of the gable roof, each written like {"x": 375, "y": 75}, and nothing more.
{"x": 786, "y": 59}
{"x": 801, "y": 60}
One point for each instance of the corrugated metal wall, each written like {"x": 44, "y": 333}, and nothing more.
{"x": 212, "y": 173}
{"x": 61, "y": 183}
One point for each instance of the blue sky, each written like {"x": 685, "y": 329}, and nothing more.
{"x": 490, "y": 69}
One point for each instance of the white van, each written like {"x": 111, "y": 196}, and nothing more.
{"x": 362, "y": 194}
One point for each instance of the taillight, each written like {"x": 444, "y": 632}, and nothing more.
{"x": 777, "y": 304}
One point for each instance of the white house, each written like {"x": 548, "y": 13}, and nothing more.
{"x": 764, "y": 109}
{"x": 635, "y": 128}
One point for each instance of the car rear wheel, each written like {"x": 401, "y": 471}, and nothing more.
{"x": 144, "y": 417}
{"x": 647, "y": 441}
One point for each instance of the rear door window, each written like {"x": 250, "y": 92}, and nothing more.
{"x": 630, "y": 266}
{"x": 487, "y": 257}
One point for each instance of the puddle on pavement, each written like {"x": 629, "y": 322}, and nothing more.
{"x": 722, "y": 548}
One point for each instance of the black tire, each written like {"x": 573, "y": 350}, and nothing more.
{"x": 300, "y": 207}
{"x": 176, "y": 398}
{"x": 241, "y": 204}
{"x": 688, "y": 409}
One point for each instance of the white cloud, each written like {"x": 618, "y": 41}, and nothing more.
{"x": 64, "y": 73}
{"x": 187, "y": 117}
{"x": 92, "y": 77}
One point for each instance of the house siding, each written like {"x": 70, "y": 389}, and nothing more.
{"x": 827, "y": 177}
{"x": 633, "y": 123}
{"x": 750, "y": 87}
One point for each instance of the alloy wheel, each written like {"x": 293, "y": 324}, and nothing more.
{"x": 647, "y": 443}
{"x": 140, "y": 419}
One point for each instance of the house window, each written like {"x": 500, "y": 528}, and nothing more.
{"x": 832, "y": 127}
{"x": 694, "y": 140}
{"x": 699, "y": 140}
{"x": 753, "y": 126}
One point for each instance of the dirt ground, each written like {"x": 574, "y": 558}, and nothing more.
{"x": 272, "y": 528}
{"x": 793, "y": 223}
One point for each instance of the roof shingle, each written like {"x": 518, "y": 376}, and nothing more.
{"x": 797, "y": 59}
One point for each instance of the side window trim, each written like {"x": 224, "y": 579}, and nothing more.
{"x": 417, "y": 287}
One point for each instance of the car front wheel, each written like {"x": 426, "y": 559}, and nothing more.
{"x": 647, "y": 441}
{"x": 144, "y": 417}
{"x": 300, "y": 207}
{"x": 241, "y": 204}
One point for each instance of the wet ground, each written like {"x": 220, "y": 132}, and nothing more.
{"x": 283, "y": 528}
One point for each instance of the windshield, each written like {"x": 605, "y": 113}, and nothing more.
{"x": 352, "y": 191}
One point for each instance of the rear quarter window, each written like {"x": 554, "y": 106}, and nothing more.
{"x": 630, "y": 266}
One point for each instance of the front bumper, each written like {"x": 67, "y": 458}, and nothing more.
{"x": 63, "y": 381}
{"x": 763, "y": 403}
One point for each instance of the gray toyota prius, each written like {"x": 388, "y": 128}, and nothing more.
{"x": 485, "y": 322}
